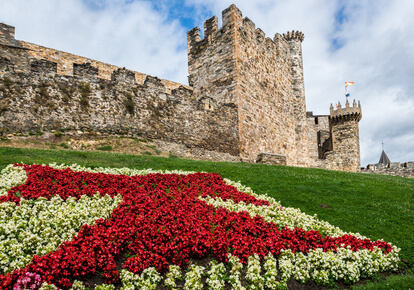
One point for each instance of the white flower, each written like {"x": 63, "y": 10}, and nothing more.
{"x": 40, "y": 226}
{"x": 235, "y": 272}
{"x": 11, "y": 176}
{"x": 193, "y": 277}
{"x": 216, "y": 274}
{"x": 253, "y": 274}
{"x": 149, "y": 279}
{"x": 174, "y": 273}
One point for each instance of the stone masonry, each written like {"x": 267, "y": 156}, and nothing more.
{"x": 334, "y": 139}
{"x": 245, "y": 99}
{"x": 405, "y": 169}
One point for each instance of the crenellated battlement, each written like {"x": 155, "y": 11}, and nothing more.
{"x": 232, "y": 15}
{"x": 294, "y": 35}
{"x": 85, "y": 71}
{"x": 123, "y": 75}
{"x": 43, "y": 67}
{"x": 233, "y": 19}
{"x": 347, "y": 113}
{"x": 7, "y": 36}
{"x": 210, "y": 27}
{"x": 7, "y": 32}
{"x": 405, "y": 169}
{"x": 248, "y": 24}
{"x": 26, "y": 57}
{"x": 246, "y": 97}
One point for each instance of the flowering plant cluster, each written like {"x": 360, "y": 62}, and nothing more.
{"x": 216, "y": 275}
{"x": 67, "y": 223}
{"x": 28, "y": 281}
{"x": 38, "y": 227}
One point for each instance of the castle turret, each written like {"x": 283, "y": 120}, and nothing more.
{"x": 294, "y": 39}
{"x": 345, "y": 136}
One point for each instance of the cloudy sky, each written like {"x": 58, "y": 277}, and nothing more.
{"x": 369, "y": 42}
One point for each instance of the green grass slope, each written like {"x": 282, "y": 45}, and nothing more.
{"x": 376, "y": 206}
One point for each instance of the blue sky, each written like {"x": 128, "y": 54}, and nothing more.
{"x": 365, "y": 41}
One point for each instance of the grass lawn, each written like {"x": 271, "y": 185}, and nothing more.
{"x": 376, "y": 206}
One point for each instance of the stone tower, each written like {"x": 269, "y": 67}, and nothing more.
{"x": 237, "y": 65}
{"x": 245, "y": 99}
{"x": 294, "y": 40}
{"x": 345, "y": 136}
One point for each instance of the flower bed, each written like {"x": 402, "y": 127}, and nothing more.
{"x": 60, "y": 225}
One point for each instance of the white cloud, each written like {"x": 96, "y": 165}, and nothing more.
{"x": 380, "y": 59}
{"x": 132, "y": 35}
{"x": 375, "y": 49}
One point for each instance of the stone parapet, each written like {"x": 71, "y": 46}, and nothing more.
{"x": 405, "y": 169}
{"x": 65, "y": 61}
{"x": 347, "y": 113}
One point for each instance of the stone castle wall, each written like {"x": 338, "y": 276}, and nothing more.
{"x": 318, "y": 133}
{"x": 30, "y": 51}
{"x": 266, "y": 100}
{"x": 346, "y": 153}
{"x": 405, "y": 169}
{"x": 35, "y": 96}
{"x": 245, "y": 99}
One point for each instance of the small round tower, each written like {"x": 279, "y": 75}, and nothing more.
{"x": 294, "y": 40}
{"x": 345, "y": 136}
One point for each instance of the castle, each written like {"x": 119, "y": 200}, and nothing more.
{"x": 245, "y": 99}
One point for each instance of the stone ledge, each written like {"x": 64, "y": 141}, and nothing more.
{"x": 271, "y": 159}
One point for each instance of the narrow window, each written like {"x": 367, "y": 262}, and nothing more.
{"x": 316, "y": 121}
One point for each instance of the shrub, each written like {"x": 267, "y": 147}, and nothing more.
{"x": 7, "y": 82}
{"x": 129, "y": 104}
{"x": 42, "y": 95}
{"x": 43, "y": 91}
{"x": 105, "y": 148}
{"x": 64, "y": 145}
{"x": 172, "y": 155}
{"x": 84, "y": 101}
{"x": 140, "y": 140}
{"x": 85, "y": 90}
{"x": 3, "y": 106}
{"x": 151, "y": 146}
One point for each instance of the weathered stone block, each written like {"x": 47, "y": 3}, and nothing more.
{"x": 272, "y": 159}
